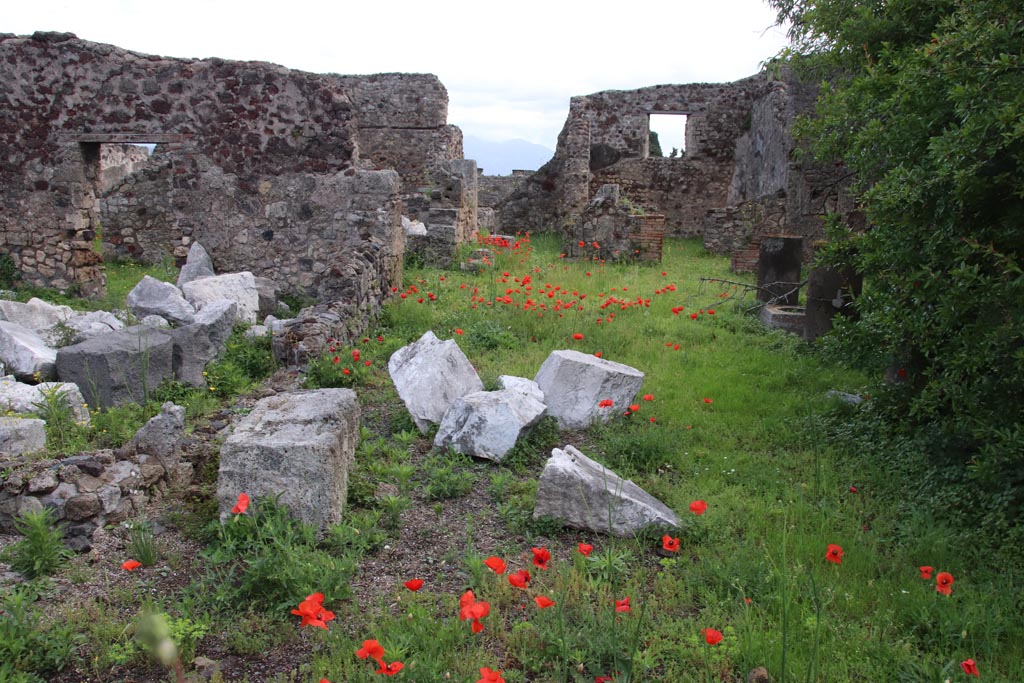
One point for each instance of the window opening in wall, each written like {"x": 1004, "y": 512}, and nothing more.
{"x": 669, "y": 132}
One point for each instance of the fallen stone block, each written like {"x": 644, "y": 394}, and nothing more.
{"x": 584, "y": 494}
{"x": 93, "y": 324}
{"x": 202, "y": 341}
{"x": 161, "y": 436}
{"x": 487, "y": 424}
{"x": 26, "y": 398}
{"x": 300, "y": 445}
{"x": 25, "y": 354}
{"x": 119, "y": 367}
{"x": 575, "y": 384}
{"x": 429, "y": 375}
{"x": 36, "y": 315}
{"x": 198, "y": 264}
{"x": 153, "y": 297}
{"x": 237, "y": 287}
{"x": 21, "y": 435}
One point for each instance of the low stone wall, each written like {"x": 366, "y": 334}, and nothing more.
{"x": 609, "y": 231}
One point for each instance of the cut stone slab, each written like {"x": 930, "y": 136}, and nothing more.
{"x": 23, "y": 398}
{"x": 487, "y": 424}
{"x": 584, "y": 494}
{"x": 266, "y": 290}
{"x": 429, "y": 375}
{"x": 153, "y": 297}
{"x": 36, "y": 315}
{"x": 93, "y": 324}
{"x": 204, "y": 340}
{"x": 412, "y": 227}
{"x": 574, "y": 383}
{"x": 238, "y": 287}
{"x": 25, "y": 354}
{"x": 118, "y": 367}
{"x": 300, "y": 445}
{"x": 21, "y": 435}
{"x": 197, "y": 264}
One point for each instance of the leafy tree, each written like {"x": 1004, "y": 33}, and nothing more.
{"x": 654, "y": 145}
{"x": 925, "y": 103}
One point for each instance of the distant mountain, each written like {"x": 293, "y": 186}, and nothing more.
{"x": 501, "y": 158}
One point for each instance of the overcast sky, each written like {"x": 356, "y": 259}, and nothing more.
{"x": 510, "y": 67}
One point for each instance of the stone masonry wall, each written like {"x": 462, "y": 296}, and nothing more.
{"x": 260, "y": 163}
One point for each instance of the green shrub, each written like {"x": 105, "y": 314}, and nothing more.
{"x": 27, "y": 645}
{"x": 42, "y": 552}
{"x": 64, "y": 436}
{"x": 8, "y": 271}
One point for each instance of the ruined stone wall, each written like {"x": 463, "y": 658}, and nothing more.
{"x": 258, "y": 162}
{"x": 495, "y": 189}
{"x": 119, "y": 161}
{"x": 605, "y": 140}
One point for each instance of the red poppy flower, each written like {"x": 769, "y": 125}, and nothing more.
{"x": 389, "y": 669}
{"x": 131, "y": 565}
{"x": 312, "y": 611}
{"x": 346, "y": 371}
{"x": 495, "y": 564}
{"x": 648, "y": 397}
{"x": 490, "y": 676}
{"x": 834, "y": 554}
{"x": 355, "y": 355}
{"x": 582, "y": 243}
{"x": 470, "y": 608}
{"x": 622, "y": 605}
{"x": 458, "y": 331}
{"x": 969, "y": 667}
{"x": 926, "y": 571}
{"x": 944, "y": 583}
{"x": 241, "y": 505}
{"x": 543, "y": 601}
{"x": 598, "y": 354}
{"x": 324, "y": 680}
{"x": 712, "y": 636}
{"x": 541, "y": 557}
{"x": 652, "y": 420}
{"x": 670, "y": 544}
{"x": 577, "y": 336}
{"x": 336, "y": 360}
{"x": 698, "y": 507}
{"x": 414, "y": 584}
{"x": 634, "y": 407}
{"x": 853, "y": 489}
{"x": 711, "y": 311}
{"x": 603, "y": 679}
{"x": 693, "y": 316}
{"x": 519, "y": 579}
{"x": 708, "y": 400}
{"x": 371, "y": 648}
{"x": 605, "y": 403}
{"x": 585, "y": 549}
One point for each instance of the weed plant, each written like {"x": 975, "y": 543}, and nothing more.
{"x": 42, "y": 551}
{"x": 30, "y": 646}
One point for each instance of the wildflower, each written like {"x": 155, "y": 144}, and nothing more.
{"x": 414, "y": 584}
{"x": 585, "y": 549}
{"x": 543, "y": 601}
{"x": 712, "y": 636}
{"x": 944, "y": 583}
{"x": 389, "y": 669}
{"x": 652, "y": 420}
{"x": 603, "y": 679}
{"x": 853, "y": 489}
{"x": 380, "y": 338}
{"x": 577, "y": 336}
{"x": 598, "y": 354}
{"x": 834, "y": 554}
{"x": 312, "y": 611}
{"x": 605, "y": 403}
{"x": 648, "y": 397}
{"x": 519, "y": 579}
{"x": 458, "y": 331}
{"x": 541, "y": 557}
{"x": 241, "y": 505}
{"x": 708, "y": 400}
{"x": 355, "y": 355}
{"x": 470, "y": 608}
{"x": 969, "y": 667}
{"x": 622, "y": 605}
{"x": 693, "y": 316}
{"x": 495, "y": 564}
{"x": 346, "y": 371}
{"x": 926, "y": 571}
{"x": 711, "y": 311}
{"x": 698, "y": 507}
{"x": 634, "y": 407}
{"x": 131, "y": 565}
{"x": 371, "y": 648}
{"x": 490, "y": 676}
{"x": 336, "y": 360}
{"x": 670, "y": 544}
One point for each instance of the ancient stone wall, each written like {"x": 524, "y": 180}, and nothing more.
{"x": 119, "y": 161}
{"x": 605, "y": 140}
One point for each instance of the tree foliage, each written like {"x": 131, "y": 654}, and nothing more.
{"x": 924, "y": 101}
{"x": 654, "y": 145}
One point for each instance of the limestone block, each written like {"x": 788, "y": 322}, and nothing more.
{"x": 93, "y": 324}
{"x": 586, "y": 495}
{"x": 36, "y": 315}
{"x": 266, "y": 290}
{"x": 238, "y": 287}
{"x": 522, "y": 385}
{"x": 155, "y": 322}
{"x": 125, "y": 475}
{"x": 161, "y": 436}
{"x": 300, "y": 445}
{"x": 487, "y": 424}
{"x": 429, "y": 375}
{"x": 153, "y": 297}
{"x": 25, "y": 353}
{"x": 413, "y": 227}
{"x": 24, "y": 398}
{"x": 21, "y": 435}
{"x": 197, "y": 264}
{"x": 204, "y": 340}
{"x": 118, "y": 367}
{"x": 575, "y": 383}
